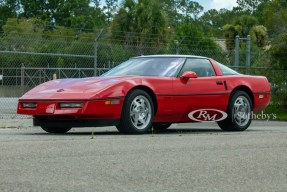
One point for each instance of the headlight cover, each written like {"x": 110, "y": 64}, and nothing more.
{"x": 71, "y": 105}
{"x": 29, "y": 105}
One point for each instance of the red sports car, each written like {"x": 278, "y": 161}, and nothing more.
{"x": 149, "y": 91}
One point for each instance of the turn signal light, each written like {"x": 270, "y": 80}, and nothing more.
{"x": 112, "y": 102}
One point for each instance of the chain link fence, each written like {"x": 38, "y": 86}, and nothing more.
{"x": 28, "y": 60}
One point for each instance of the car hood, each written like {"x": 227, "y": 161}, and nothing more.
{"x": 85, "y": 88}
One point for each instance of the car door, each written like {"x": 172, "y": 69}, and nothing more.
{"x": 207, "y": 91}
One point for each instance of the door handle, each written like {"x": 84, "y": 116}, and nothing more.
{"x": 219, "y": 83}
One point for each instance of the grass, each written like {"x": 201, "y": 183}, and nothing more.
{"x": 282, "y": 116}
{"x": 278, "y": 110}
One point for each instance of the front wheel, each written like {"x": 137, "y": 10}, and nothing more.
{"x": 239, "y": 113}
{"x": 59, "y": 130}
{"x": 137, "y": 113}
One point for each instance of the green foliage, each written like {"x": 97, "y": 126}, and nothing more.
{"x": 259, "y": 35}
{"x": 110, "y": 8}
{"x": 68, "y": 13}
{"x": 28, "y": 35}
{"x": 189, "y": 9}
{"x": 275, "y": 16}
{"x": 60, "y": 62}
{"x": 279, "y": 50}
{"x": 230, "y": 33}
{"x": 7, "y": 10}
{"x": 136, "y": 22}
{"x": 192, "y": 36}
{"x": 244, "y": 24}
{"x": 213, "y": 22}
{"x": 250, "y": 5}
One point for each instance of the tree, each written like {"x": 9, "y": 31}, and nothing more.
{"x": 141, "y": 22}
{"x": 275, "y": 16}
{"x": 192, "y": 37}
{"x": 110, "y": 8}
{"x": 250, "y": 5}
{"x": 279, "y": 50}
{"x": 170, "y": 7}
{"x": 244, "y": 24}
{"x": 95, "y": 3}
{"x": 213, "y": 21}
{"x": 69, "y": 13}
{"x": 230, "y": 33}
{"x": 190, "y": 9}
{"x": 8, "y": 9}
{"x": 259, "y": 35}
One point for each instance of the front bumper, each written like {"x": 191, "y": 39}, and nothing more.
{"x": 91, "y": 109}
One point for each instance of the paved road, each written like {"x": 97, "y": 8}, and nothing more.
{"x": 188, "y": 157}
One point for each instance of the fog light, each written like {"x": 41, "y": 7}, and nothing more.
{"x": 29, "y": 105}
{"x": 71, "y": 105}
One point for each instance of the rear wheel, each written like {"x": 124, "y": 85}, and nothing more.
{"x": 161, "y": 126}
{"x": 239, "y": 113}
{"x": 57, "y": 130}
{"x": 137, "y": 113}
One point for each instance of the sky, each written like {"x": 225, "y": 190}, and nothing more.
{"x": 217, "y": 4}
{"x": 211, "y": 4}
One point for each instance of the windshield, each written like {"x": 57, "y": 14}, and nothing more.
{"x": 148, "y": 66}
{"x": 226, "y": 70}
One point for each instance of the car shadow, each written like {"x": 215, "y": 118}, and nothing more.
{"x": 171, "y": 131}
{"x": 175, "y": 130}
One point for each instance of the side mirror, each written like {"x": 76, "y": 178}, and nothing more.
{"x": 188, "y": 75}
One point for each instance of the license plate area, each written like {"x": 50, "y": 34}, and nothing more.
{"x": 46, "y": 108}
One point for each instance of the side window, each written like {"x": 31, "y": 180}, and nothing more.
{"x": 202, "y": 67}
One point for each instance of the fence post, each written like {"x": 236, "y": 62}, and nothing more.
{"x": 237, "y": 42}
{"x": 248, "y": 50}
{"x": 95, "y": 57}
{"x": 22, "y": 74}
{"x": 177, "y": 47}
{"x": 2, "y": 76}
{"x": 96, "y": 52}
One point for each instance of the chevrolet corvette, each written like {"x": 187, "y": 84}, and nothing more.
{"x": 149, "y": 92}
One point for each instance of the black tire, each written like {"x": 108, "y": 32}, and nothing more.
{"x": 239, "y": 100}
{"x": 161, "y": 126}
{"x": 137, "y": 113}
{"x": 60, "y": 130}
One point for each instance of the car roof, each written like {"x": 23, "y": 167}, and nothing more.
{"x": 183, "y": 56}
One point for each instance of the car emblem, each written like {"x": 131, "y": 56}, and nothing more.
{"x": 60, "y": 90}
{"x": 207, "y": 115}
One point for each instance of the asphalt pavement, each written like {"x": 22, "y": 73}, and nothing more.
{"x": 187, "y": 157}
